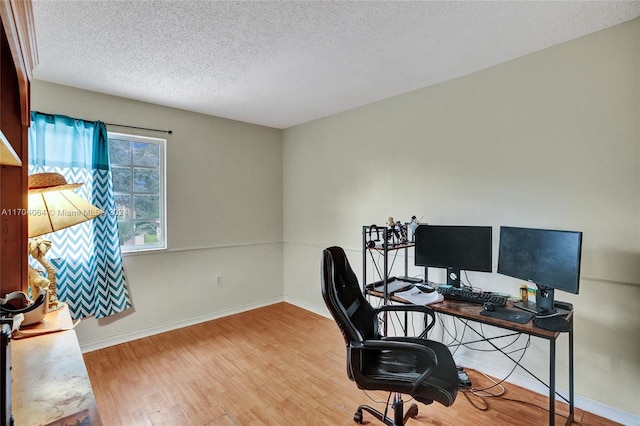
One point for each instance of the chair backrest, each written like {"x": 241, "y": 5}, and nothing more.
{"x": 344, "y": 299}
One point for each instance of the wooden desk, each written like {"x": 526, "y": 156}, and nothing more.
{"x": 50, "y": 381}
{"x": 471, "y": 312}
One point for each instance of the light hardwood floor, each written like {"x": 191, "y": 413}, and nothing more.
{"x": 277, "y": 365}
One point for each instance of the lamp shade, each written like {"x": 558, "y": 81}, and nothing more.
{"x": 53, "y": 205}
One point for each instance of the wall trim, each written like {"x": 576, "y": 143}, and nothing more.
{"x": 196, "y": 248}
{"x": 300, "y": 304}
{"x": 139, "y": 334}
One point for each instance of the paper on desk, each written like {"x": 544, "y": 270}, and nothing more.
{"x": 417, "y": 297}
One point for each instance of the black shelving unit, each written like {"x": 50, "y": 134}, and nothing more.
{"x": 382, "y": 246}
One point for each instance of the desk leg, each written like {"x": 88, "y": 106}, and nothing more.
{"x": 571, "y": 389}
{"x": 552, "y": 382}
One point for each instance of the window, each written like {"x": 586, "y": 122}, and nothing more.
{"x": 137, "y": 166}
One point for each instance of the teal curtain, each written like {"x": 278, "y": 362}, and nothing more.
{"x": 87, "y": 256}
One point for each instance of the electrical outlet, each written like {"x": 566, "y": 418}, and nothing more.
{"x": 219, "y": 280}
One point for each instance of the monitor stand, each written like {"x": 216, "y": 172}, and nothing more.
{"x": 453, "y": 277}
{"x": 533, "y": 307}
{"x": 544, "y": 300}
{"x": 548, "y": 315}
{"x": 545, "y": 304}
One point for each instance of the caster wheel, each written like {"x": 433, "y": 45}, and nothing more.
{"x": 357, "y": 417}
{"x": 412, "y": 411}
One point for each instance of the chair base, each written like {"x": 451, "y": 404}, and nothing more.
{"x": 399, "y": 417}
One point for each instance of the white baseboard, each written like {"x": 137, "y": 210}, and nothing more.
{"x": 138, "y": 334}
{"x": 533, "y": 385}
{"x": 323, "y": 312}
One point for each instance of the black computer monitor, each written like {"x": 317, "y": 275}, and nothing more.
{"x": 548, "y": 258}
{"x": 455, "y": 248}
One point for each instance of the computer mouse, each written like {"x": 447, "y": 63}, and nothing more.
{"x": 488, "y": 306}
{"x": 425, "y": 288}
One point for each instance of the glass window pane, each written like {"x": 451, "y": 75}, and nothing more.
{"x": 137, "y": 165}
{"x": 146, "y": 206}
{"x": 146, "y": 154}
{"x": 146, "y": 180}
{"x": 125, "y": 232}
{"x": 123, "y": 206}
{"x": 147, "y": 232}
{"x": 121, "y": 179}
{"x": 120, "y": 152}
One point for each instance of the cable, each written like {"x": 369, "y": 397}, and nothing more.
{"x": 483, "y": 394}
{"x": 469, "y": 286}
{"x": 468, "y": 280}
{"x": 462, "y": 283}
{"x": 445, "y": 329}
{"x": 485, "y": 406}
{"x": 460, "y": 341}
{"x": 539, "y": 407}
{"x": 501, "y": 349}
{"x": 515, "y": 365}
{"x": 373, "y": 399}
{"x": 404, "y": 329}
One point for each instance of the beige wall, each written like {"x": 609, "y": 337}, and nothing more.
{"x": 547, "y": 140}
{"x": 224, "y": 215}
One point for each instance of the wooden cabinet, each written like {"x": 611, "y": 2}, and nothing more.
{"x": 51, "y": 385}
{"x": 18, "y": 57}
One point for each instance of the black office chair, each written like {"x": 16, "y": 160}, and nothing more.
{"x": 415, "y": 366}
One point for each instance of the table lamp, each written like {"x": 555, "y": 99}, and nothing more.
{"x": 53, "y": 206}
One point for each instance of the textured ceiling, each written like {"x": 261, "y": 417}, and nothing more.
{"x": 288, "y": 62}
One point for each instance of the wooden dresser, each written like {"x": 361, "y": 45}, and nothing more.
{"x": 50, "y": 381}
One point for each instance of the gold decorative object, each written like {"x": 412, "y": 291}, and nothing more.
{"x": 53, "y": 206}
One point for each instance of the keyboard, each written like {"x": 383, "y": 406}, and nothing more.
{"x": 463, "y": 295}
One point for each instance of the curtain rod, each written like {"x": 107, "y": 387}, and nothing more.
{"x": 139, "y": 128}
{"x": 113, "y": 124}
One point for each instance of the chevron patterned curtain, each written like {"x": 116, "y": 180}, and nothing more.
{"x": 87, "y": 256}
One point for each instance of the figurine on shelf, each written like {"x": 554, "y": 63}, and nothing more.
{"x": 413, "y": 225}
{"x": 397, "y": 232}
{"x": 37, "y": 282}
{"x": 391, "y": 224}
{"x": 402, "y": 229}
{"x": 38, "y": 248}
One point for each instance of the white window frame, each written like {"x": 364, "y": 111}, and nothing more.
{"x": 125, "y": 249}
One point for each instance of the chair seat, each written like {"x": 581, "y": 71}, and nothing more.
{"x": 442, "y": 385}
{"x": 396, "y": 371}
